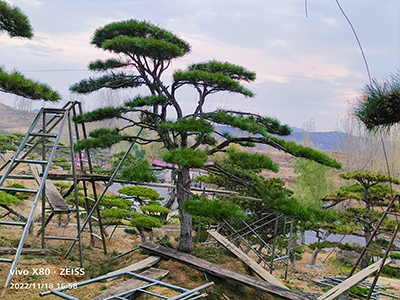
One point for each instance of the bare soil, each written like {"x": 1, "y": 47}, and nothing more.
{"x": 97, "y": 263}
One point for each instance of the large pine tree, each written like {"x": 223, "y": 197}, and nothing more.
{"x": 143, "y": 52}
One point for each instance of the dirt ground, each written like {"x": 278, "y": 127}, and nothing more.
{"x": 30, "y": 285}
{"x": 38, "y": 274}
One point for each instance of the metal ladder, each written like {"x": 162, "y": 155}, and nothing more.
{"x": 44, "y": 133}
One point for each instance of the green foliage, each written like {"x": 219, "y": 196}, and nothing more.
{"x": 313, "y": 181}
{"x": 61, "y": 162}
{"x": 165, "y": 241}
{"x": 251, "y": 161}
{"x": 111, "y": 81}
{"x": 14, "y": 21}
{"x": 390, "y": 272}
{"x": 141, "y": 101}
{"x": 16, "y": 24}
{"x": 140, "y": 191}
{"x": 216, "y": 76}
{"x": 211, "y": 254}
{"x": 187, "y": 125}
{"x": 17, "y": 84}
{"x": 322, "y": 245}
{"x": 99, "y": 115}
{"x": 154, "y": 208}
{"x": 145, "y": 221}
{"x": 394, "y": 255}
{"x": 141, "y": 38}
{"x": 139, "y": 171}
{"x": 114, "y": 201}
{"x": 218, "y": 210}
{"x": 101, "y": 139}
{"x": 130, "y": 231}
{"x": 379, "y": 105}
{"x": 369, "y": 177}
{"x": 8, "y": 199}
{"x": 306, "y": 152}
{"x": 116, "y": 213}
{"x": 253, "y": 123}
{"x": 186, "y": 158}
{"x": 10, "y": 142}
{"x": 233, "y": 71}
{"x": 100, "y": 65}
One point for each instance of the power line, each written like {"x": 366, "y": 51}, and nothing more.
{"x": 56, "y": 70}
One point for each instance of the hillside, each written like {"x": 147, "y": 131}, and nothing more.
{"x": 14, "y": 120}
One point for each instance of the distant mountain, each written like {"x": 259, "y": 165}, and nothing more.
{"x": 320, "y": 140}
{"x": 15, "y": 120}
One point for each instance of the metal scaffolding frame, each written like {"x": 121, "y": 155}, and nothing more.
{"x": 281, "y": 254}
{"x": 44, "y": 135}
{"x": 185, "y": 294}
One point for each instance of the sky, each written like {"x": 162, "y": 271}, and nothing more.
{"x": 307, "y": 60}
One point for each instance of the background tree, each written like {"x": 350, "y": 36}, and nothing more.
{"x": 143, "y": 52}
{"x": 14, "y": 22}
{"x": 369, "y": 190}
{"x": 313, "y": 182}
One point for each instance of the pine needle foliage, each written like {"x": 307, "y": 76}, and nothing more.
{"x": 140, "y": 191}
{"x": 155, "y": 208}
{"x": 372, "y": 190}
{"x": 145, "y": 221}
{"x": 186, "y": 158}
{"x": 378, "y": 107}
{"x": 8, "y": 199}
{"x": 217, "y": 210}
{"x": 14, "y": 22}
{"x": 16, "y": 83}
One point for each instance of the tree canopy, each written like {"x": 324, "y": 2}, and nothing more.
{"x": 378, "y": 107}
{"x": 14, "y": 22}
{"x": 142, "y": 53}
{"x": 371, "y": 190}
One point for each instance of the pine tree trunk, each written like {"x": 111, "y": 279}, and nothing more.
{"x": 142, "y": 234}
{"x": 314, "y": 256}
{"x": 368, "y": 229}
{"x": 182, "y": 193}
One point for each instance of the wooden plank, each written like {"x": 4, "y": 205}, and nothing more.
{"x": 246, "y": 259}
{"x": 56, "y": 201}
{"x": 336, "y": 291}
{"x": 221, "y": 272}
{"x": 144, "y": 264}
{"x": 12, "y": 251}
{"x": 133, "y": 283}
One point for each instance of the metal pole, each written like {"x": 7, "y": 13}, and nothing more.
{"x": 71, "y": 141}
{"x": 259, "y": 220}
{"x": 258, "y": 254}
{"x": 289, "y": 249}
{"x": 274, "y": 243}
{"x": 109, "y": 183}
{"x": 84, "y": 182}
{"x": 102, "y": 230}
{"x": 44, "y": 180}
{"x": 35, "y": 202}
{"x": 257, "y": 235}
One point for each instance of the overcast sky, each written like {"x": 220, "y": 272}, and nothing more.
{"x": 308, "y": 67}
